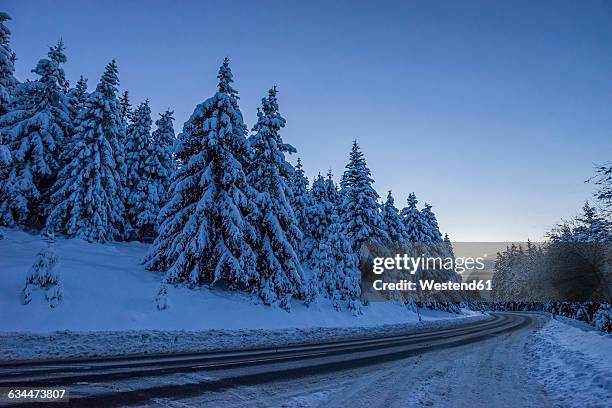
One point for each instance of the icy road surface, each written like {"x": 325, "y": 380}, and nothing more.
{"x": 490, "y": 373}
{"x": 502, "y": 371}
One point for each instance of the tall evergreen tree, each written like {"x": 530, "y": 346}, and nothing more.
{"x": 300, "y": 198}
{"x": 279, "y": 233}
{"x": 331, "y": 189}
{"x": 449, "y": 246}
{"x": 36, "y": 127}
{"x": 125, "y": 109}
{"x": 321, "y": 215}
{"x": 77, "y": 97}
{"x": 592, "y": 227}
{"x": 125, "y": 115}
{"x": 7, "y": 88}
{"x": 431, "y": 225}
{"x": 163, "y": 139}
{"x": 157, "y": 171}
{"x": 7, "y": 68}
{"x": 88, "y": 195}
{"x": 337, "y": 268}
{"x": 204, "y": 235}
{"x": 391, "y": 220}
{"x": 136, "y": 153}
{"x": 331, "y": 257}
{"x": 360, "y": 210}
{"x": 413, "y": 221}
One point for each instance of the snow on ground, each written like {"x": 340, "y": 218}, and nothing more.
{"x": 106, "y": 289}
{"x": 574, "y": 365}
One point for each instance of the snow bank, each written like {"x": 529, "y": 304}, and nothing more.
{"x": 107, "y": 289}
{"x": 64, "y": 344}
{"x": 574, "y": 365}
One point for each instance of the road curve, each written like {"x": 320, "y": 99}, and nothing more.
{"x": 229, "y": 369}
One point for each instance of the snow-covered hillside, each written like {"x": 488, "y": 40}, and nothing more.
{"x": 105, "y": 287}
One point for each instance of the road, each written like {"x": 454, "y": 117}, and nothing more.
{"x": 472, "y": 365}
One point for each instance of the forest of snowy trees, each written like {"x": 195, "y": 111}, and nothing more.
{"x": 522, "y": 272}
{"x": 221, "y": 204}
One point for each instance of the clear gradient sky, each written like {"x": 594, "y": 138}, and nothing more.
{"x": 492, "y": 111}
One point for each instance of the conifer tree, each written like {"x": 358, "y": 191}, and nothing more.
{"x": 360, "y": 210}
{"x": 36, "y": 127}
{"x": 204, "y": 235}
{"x": 300, "y": 197}
{"x": 331, "y": 190}
{"x": 77, "y": 97}
{"x": 152, "y": 188}
{"x": 592, "y": 227}
{"x": 136, "y": 154}
{"x": 126, "y": 108}
{"x": 88, "y": 196}
{"x": 449, "y": 246}
{"x": 164, "y": 139}
{"x": 331, "y": 256}
{"x": 279, "y": 233}
{"x": 44, "y": 275}
{"x": 7, "y": 68}
{"x": 391, "y": 220}
{"x": 413, "y": 221}
{"x": 337, "y": 268}
{"x": 7, "y": 88}
{"x": 321, "y": 215}
{"x": 431, "y": 225}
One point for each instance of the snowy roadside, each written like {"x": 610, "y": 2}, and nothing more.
{"x": 67, "y": 344}
{"x": 573, "y": 365}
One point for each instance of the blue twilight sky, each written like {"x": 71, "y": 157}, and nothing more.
{"x": 492, "y": 111}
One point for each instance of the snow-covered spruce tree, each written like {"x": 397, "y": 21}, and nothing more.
{"x": 44, "y": 275}
{"x": 125, "y": 109}
{"x": 416, "y": 229}
{"x": 77, "y": 97}
{"x": 7, "y": 87}
{"x": 204, "y": 235}
{"x": 603, "y": 179}
{"x": 331, "y": 190}
{"x": 36, "y": 127}
{"x": 161, "y": 300}
{"x": 279, "y": 234}
{"x": 136, "y": 153}
{"x": 300, "y": 202}
{"x": 7, "y": 68}
{"x": 320, "y": 215}
{"x": 337, "y": 268}
{"x": 360, "y": 210}
{"x": 603, "y": 318}
{"x": 331, "y": 257}
{"x": 164, "y": 138}
{"x": 449, "y": 246}
{"x": 87, "y": 198}
{"x": 431, "y": 225}
{"x": 391, "y": 220}
{"x": 592, "y": 227}
{"x": 154, "y": 182}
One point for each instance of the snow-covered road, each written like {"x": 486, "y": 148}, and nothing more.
{"x": 490, "y": 373}
{"x": 511, "y": 360}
